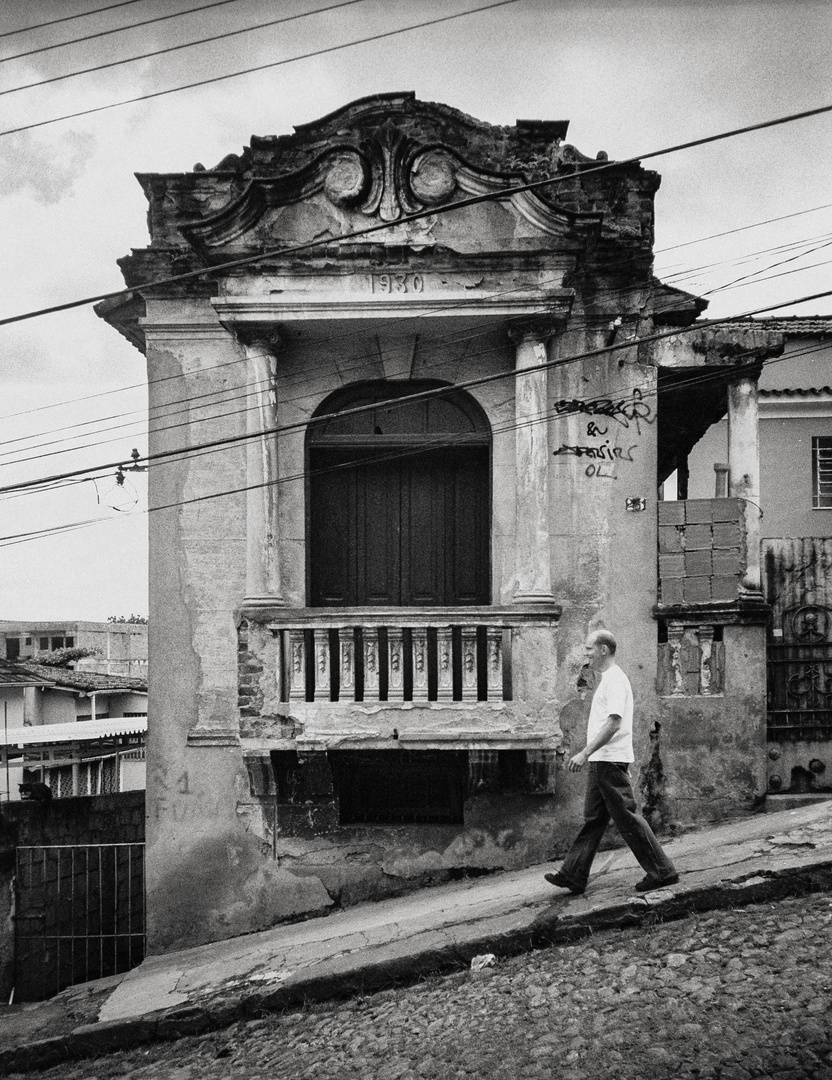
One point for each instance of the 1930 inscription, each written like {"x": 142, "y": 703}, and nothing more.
{"x": 388, "y": 284}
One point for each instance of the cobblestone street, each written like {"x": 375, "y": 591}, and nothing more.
{"x": 728, "y": 995}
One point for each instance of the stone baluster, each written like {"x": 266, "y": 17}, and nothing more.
{"x": 346, "y": 651}
{"x": 469, "y": 663}
{"x": 675, "y": 635}
{"x": 444, "y": 665}
{"x": 744, "y": 471}
{"x": 706, "y": 648}
{"x": 419, "y": 637}
{"x": 323, "y": 685}
{"x": 534, "y": 562}
{"x": 395, "y": 665}
{"x": 495, "y": 663}
{"x": 297, "y": 665}
{"x": 371, "y": 663}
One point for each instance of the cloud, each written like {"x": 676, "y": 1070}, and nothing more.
{"x": 47, "y": 171}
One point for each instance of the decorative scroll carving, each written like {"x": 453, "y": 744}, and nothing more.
{"x": 395, "y": 665}
{"x": 469, "y": 663}
{"x": 444, "y": 662}
{"x": 420, "y": 664}
{"x": 322, "y": 679}
{"x": 495, "y": 663}
{"x": 297, "y": 665}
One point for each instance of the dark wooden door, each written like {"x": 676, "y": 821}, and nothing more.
{"x": 399, "y": 528}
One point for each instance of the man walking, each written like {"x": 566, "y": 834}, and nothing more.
{"x": 609, "y": 793}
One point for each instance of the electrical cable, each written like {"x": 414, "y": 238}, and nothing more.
{"x": 249, "y": 392}
{"x": 231, "y": 440}
{"x": 117, "y": 30}
{"x": 744, "y": 228}
{"x": 217, "y": 395}
{"x": 177, "y": 48}
{"x": 259, "y": 67}
{"x": 473, "y": 200}
{"x": 697, "y": 379}
{"x": 167, "y": 378}
{"x": 68, "y": 18}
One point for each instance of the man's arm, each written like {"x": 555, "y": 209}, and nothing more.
{"x": 611, "y": 725}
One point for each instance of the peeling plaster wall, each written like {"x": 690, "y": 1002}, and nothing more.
{"x": 712, "y": 750}
{"x": 206, "y": 877}
{"x": 224, "y": 856}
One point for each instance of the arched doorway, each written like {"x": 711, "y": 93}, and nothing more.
{"x": 399, "y": 498}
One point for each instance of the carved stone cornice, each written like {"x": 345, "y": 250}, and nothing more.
{"x": 386, "y": 175}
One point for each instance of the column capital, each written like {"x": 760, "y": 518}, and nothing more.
{"x": 264, "y": 336}
{"x": 535, "y": 330}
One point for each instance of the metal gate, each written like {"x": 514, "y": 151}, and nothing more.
{"x": 79, "y": 915}
{"x": 800, "y": 675}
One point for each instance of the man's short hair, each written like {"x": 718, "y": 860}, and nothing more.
{"x": 604, "y": 637}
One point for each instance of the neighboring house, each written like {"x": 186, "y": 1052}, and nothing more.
{"x": 120, "y": 647}
{"x": 370, "y": 598}
{"x": 796, "y": 498}
{"x": 78, "y": 732}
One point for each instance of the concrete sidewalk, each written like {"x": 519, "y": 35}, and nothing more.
{"x": 375, "y": 944}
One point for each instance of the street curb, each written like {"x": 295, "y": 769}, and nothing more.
{"x": 549, "y": 928}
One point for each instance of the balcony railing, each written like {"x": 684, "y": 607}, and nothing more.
{"x": 396, "y": 655}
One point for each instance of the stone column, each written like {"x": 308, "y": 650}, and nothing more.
{"x": 534, "y": 560}
{"x": 744, "y": 470}
{"x": 262, "y": 565}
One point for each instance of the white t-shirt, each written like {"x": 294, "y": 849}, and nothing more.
{"x": 613, "y": 695}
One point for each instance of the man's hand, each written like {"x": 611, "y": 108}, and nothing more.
{"x": 577, "y": 762}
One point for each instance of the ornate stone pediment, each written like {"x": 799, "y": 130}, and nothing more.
{"x": 386, "y": 177}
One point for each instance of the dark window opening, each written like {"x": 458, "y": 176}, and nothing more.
{"x": 69, "y": 642}
{"x": 399, "y": 499}
{"x": 662, "y": 630}
{"x": 12, "y": 648}
{"x": 400, "y": 787}
{"x": 44, "y": 644}
{"x": 718, "y": 633}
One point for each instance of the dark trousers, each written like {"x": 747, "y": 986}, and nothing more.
{"x": 609, "y": 795}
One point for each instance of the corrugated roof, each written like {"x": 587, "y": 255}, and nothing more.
{"x": 803, "y": 391}
{"x": 81, "y": 731}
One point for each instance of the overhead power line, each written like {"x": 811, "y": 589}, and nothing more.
{"x": 177, "y": 48}
{"x": 473, "y": 200}
{"x": 424, "y": 395}
{"x": 259, "y": 67}
{"x": 67, "y": 18}
{"x": 698, "y": 378}
{"x": 115, "y": 30}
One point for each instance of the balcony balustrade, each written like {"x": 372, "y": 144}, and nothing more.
{"x": 395, "y": 655}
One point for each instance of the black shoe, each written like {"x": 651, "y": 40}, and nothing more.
{"x": 649, "y": 883}
{"x": 560, "y": 882}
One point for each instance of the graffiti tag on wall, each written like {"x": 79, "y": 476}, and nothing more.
{"x": 604, "y": 455}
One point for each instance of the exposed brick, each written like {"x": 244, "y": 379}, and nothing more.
{"x": 697, "y": 590}
{"x": 699, "y": 511}
{"x": 671, "y": 513}
{"x": 671, "y": 566}
{"x": 698, "y": 563}
{"x": 727, "y": 536}
{"x": 670, "y": 539}
{"x": 698, "y": 537}
{"x": 725, "y": 588}
{"x": 671, "y": 591}
{"x": 726, "y": 509}
{"x": 727, "y": 561}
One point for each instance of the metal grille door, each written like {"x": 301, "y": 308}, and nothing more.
{"x": 79, "y": 915}
{"x": 800, "y": 676}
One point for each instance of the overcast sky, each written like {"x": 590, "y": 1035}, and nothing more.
{"x": 630, "y": 77}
